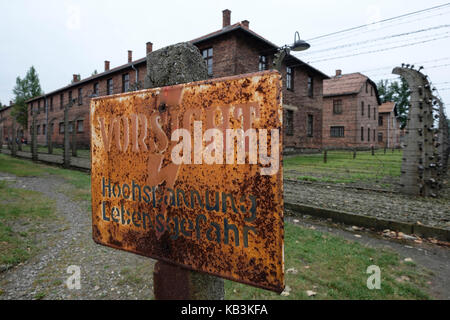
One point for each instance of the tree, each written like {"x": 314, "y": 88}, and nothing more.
{"x": 398, "y": 93}
{"x": 25, "y": 89}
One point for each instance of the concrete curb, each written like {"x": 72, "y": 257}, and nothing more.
{"x": 373, "y": 223}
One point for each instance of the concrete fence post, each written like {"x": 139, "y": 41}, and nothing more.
{"x": 13, "y": 139}
{"x": 66, "y": 144}
{"x": 34, "y": 149}
{"x": 49, "y": 136}
{"x": 177, "y": 64}
{"x": 419, "y": 161}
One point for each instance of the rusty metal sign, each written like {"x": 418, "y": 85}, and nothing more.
{"x": 192, "y": 175}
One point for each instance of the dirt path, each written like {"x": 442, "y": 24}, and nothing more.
{"x": 111, "y": 274}
{"x": 105, "y": 273}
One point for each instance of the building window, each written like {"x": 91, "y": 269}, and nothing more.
{"x": 374, "y": 113}
{"x": 380, "y": 120}
{"x": 262, "y": 63}
{"x": 70, "y": 126}
{"x": 337, "y": 106}
{"x": 44, "y": 131}
{"x": 310, "y": 126}
{"x": 374, "y": 134}
{"x": 31, "y": 109}
{"x": 310, "y": 87}
{"x": 289, "y": 78}
{"x": 39, "y": 107}
{"x": 109, "y": 86}
{"x": 125, "y": 82}
{"x": 380, "y": 137}
{"x": 80, "y": 127}
{"x": 368, "y": 111}
{"x": 362, "y": 108}
{"x": 208, "y": 57}
{"x": 61, "y": 101}
{"x": 96, "y": 89}
{"x": 70, "y": 98}
{"x": 61, "y": 127}
{"x": 51, "y": 103}
{"x": 289, "y": 122}
{"x": 38, "y": 129}
{"x": 337, "y": 132}
{"x": 362, "y": 134}
{"x": 80, "y": 96}
{"x": 367, "y": 87}
{"x": 368, "y": 134}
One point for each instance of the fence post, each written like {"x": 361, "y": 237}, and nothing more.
{"x": 419, "y": 164}
{"x": 49, "y": 137}
{"x": 34, "y": 154}
{"x": 66, "y": 145}
{"x": 172, "y": 65}
{"x": 354, "y": 153}
{"x": 325, "y": 156}
{"x": 13, "y": 139}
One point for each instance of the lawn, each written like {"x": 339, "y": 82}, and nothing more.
{"x": 342, "y": 168}
{"x": 335, "y": 268}
{"x": 330, "y": 266}
{"x": 23, "y": 215}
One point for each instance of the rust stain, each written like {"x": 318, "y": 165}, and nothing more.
{"x": 225, "y": 219}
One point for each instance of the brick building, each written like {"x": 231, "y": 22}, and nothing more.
{"x": 350, "y": 111}
{"x": 6, "y": 125}
{"x": 234, "y": 49}
{"x": 388, "y": 126}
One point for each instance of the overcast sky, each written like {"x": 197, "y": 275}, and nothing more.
{"x": 61, "y": 38}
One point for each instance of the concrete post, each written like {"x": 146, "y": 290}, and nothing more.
{"x": 418, "y": 165}
{"x": 443, "y": 142}
{"x": 49, "y": 136}
{"x": 66, "y": 144}
{"x": 176, "y": 64}
{"x": 13, "y": 139}
{"x": 34, "y": 149}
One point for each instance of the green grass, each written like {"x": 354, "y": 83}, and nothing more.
{"x": 24, "y": 208}
{"x": 342, "y": 168}
{"x": 335, "y": 268}
{"x": 25, "y": 168}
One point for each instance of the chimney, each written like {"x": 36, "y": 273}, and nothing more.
{"x": 149, "y": 47}
{"x": 226, "y": 18}
{"x": 245, "y": 24}
{"x": 75, "y": 78}
{"x": 130, "y": 56}
{"x": 106, "y": 65}
{"x": 338, "y": 72}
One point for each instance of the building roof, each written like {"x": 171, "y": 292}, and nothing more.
{"x": 232, "y": 28}
{"x": 347, "y": 84}
{"x": 240, "y": 27}
{"x": 387, "y": 107}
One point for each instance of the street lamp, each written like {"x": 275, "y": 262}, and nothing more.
{"x": 298, "y": 45}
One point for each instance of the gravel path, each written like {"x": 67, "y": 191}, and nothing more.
{"x": 105, "y": 273}
{"x": 392, "y": 206}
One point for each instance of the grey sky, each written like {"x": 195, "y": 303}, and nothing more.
{"x": 61, "y": 38}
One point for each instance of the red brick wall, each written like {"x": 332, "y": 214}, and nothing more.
{"x": 352, "y": 120}
{"x": 78, "y": 111}
{"x": 390, "y": 130}
{"x": 6, "y": 122}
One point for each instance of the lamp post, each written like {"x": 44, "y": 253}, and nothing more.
{"x": 298, "y": 45}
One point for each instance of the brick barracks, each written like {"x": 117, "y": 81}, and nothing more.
{"x": 232, "y": 50}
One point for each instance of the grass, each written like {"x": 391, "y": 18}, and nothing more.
{"x": 25, "y": 168}
{"x": 342, "y": 168}
{"x": 27, "y": 210}
{"x": 335, "y": 268}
